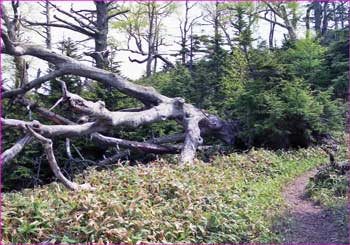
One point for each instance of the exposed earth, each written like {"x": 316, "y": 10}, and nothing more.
{"x": 309, "y": 222}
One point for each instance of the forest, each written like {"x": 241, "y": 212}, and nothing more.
{"x": 174, "y": 122}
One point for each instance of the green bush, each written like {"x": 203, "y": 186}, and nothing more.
{"x": 275, "y": 107}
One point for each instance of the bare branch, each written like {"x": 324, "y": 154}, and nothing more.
{"x": 59, "y": 101}
{"x": 56, "y": 130}
{"x": 168, "y": 138}
{"x": 113, "y": 159}
{"x": 273, "y": 21}
{"x": 69, "y": 152}
{"x": 66, "y": 26}
{"x": 47, "y": 144}
{"x": 33, "y": 84}
{"x": 12, "y": 152}
{"x": 81, "y": 29}
{"x": 166, "y": 61}
{"x": 82, "y": 24}
{"x": 147, "y": 95}
{"x": 84, "y": 16}
{"x": 138, "y": 61}
{"x": 141, "y": 146}
{"x": 117, "y": 13}
{"x": 43, "y": 112}
{"x": 158, "y": 113}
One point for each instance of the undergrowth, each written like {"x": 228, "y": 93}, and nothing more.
{"x": 233, "y": 199}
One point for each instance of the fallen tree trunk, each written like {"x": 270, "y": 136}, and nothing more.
{"x": 151, "y": 146}
{"x": 158, "y": 107}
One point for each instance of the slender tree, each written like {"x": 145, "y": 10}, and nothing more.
{"x": 92, "y": 23}
{"x": 186, "y": 30}
{"x": 287, "y": 13}
{"x": 13, "y": 27}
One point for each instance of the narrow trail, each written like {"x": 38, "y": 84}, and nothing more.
{"x": 309, "y": 223}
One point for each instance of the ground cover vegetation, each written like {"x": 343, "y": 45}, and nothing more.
{"x": 196, "y": 150}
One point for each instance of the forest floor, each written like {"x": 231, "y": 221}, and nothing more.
{"x": 236, "y": 198}
{"x": 309, "y": 222}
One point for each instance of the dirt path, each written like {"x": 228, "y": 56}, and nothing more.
{"x": 309, "y": 223}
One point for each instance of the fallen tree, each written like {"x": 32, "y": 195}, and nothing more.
{"x": 156, "y": 108}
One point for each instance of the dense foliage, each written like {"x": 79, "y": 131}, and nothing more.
{"x": 285, "y": 97}
{"x": 232, "y": 199}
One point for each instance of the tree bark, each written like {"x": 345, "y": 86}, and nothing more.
{"x": 151, "y": 33}
{"x": 12, "y": 152}
{"x": 48, "y": 39}
{"x": 325, "y": 19}
{"x": 101, "y": 33}
{"x": 272, "y": 30}
{"x": 318, "y": 17}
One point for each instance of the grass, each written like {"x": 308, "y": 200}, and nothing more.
{"x": 233, "y": 199}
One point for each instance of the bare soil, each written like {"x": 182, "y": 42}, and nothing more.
{"x": 309, "y": 222}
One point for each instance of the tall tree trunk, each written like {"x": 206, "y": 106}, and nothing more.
{"x": 216, "y": 36}
{"x": 292, "y": 34}
{"x": 307, "y": 21}
{"x": 342, "y": 17}
{"x": 290, "y": 19}
{"x": 184, "y": 35}
{"x": 48, "y": 39}
{"x": 156, "y": 44}
{"x": 335, "y": 17}
{"x": 101, "y": 34}
{"x": 318, "y": 17}
{"x": 183, "y": 51}
{"x": 290, "y": 24}
{"x": 272, "y": 30}
{"x": 13, "y": 28}
{"x": 155, "y": 63}
{"x": 21, "y": 72}
{"x": 151, "y": 16}
{"x": 191, "y": 51}
{"x": 325, "y": 19}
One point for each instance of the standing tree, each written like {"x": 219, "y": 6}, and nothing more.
{"x": 13, "y": 27}
{"x": 92, "y": 23}
{"x": 236, "y": 23}
{"x": 326, "y": 16}
{"x": 287, "y": 13}
{"x": 145, "y": 34}
{"x": 186, "y": 29}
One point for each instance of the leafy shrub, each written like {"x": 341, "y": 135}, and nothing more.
{"x": 276, "y": 108}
